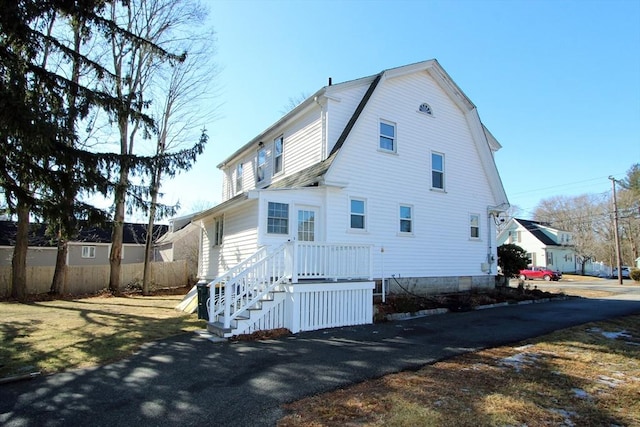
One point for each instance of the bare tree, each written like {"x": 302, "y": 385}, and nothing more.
{"x": 135, "y": 63}
{"x": 585, "y": 216}
{"x": 184, "y": 89}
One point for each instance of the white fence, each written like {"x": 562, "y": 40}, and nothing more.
{"x": 91, "y": 279}
{"x": 328, "y": 305}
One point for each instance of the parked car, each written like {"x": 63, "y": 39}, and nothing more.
{"x": 625, "y": 272}
{"x": 540, "y": 273}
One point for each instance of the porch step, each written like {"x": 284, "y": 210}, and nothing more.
{"x": 218, "y": 329}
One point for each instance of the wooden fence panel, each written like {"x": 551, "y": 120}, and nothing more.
{"x": 94, "y": 278}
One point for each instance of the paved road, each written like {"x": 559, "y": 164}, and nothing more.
{"x": 187, "y": 380}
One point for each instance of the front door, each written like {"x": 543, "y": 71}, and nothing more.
{"x": 306, "y": 224}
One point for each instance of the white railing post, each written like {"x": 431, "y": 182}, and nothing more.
{"x": 291, "y": 260}
{"x": 227, "y": 306}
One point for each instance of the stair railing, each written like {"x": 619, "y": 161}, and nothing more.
{"x": 257, "y": 280}
{"x": 216, "y": 286}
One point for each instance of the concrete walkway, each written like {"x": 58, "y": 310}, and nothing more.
{"x": 187, "y": 380}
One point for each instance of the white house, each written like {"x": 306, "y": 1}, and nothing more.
{"x": 390, "y": 176}
{"x": 546, "y": 246}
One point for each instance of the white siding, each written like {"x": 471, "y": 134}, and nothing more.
{"x": 302, "y": 148}
{"x": 440, "y": 245}
{"x": 340, "y": 110}
{"x": 239, "y": 239}
{"x": 207, "y": 260}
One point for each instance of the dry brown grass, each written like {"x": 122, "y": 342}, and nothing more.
{"x": 52, "y": 336}
{"x": 577, "y": 376}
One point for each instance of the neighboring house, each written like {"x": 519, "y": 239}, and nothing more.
{"x": 390, "y": 176}
{"x": 91, "y": 246}
{"x": 180, "y": 242}
{"x": 546, "y": 246}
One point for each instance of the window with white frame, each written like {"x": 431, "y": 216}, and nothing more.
{"x": 474, "y": 226}
{"x": 357, "y": 209}
{"x": 218, "y": 231}
{"x": 437, "y": 171}
{"x": 387, "y": 136}
{"x": 278, "y": 150}
{"x": 278, "y": 218}
{"x": 88, "y": 252}
{"x": 261, "y": 164}
{"x": 406, "y": 219}
{"x": 239, "y": 177}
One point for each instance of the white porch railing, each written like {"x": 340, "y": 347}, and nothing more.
{"x": 248, "y": 283}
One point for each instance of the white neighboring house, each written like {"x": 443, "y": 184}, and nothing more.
{"x": 390, "y": 176}
{"x": 546, "y": 246}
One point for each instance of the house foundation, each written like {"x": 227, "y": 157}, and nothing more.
{"x": 439, "y": 285}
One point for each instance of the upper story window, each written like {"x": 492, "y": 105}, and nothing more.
{"x": 239, "y": 177}
{"x": 278, "y": 218}
{"x": 437, "y": 171}
{"x": 357, "y": 207}
{"x": 387, "y": 136}
{"x": 88, "y": 252}
{"x": 278, "y": 147}
{"x": 261, "y": 164}
{"x": 406, "y": 219}
{"x": 474, "y": 226}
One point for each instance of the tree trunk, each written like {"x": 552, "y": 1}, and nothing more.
{"x": 146, "y": 275}
{"x": 19, "y": 259}
{"x": 115, "y": 257}
{"x": 60, "y": 273}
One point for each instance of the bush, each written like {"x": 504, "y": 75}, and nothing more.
{"x": 512, "y": 258}
{"x": 635, "y": 274}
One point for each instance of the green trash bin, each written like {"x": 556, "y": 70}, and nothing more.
{"x": 203, "y": 296}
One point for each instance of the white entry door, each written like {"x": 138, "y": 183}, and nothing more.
{"x": 306, "y": 224}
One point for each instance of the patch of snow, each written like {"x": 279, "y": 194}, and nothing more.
{"x": 608, "y": 381}
{"x": 518, "y": 360}
{"x": 566, "y": 415}
{"x": 611, "y": 335}
{"x": 578, "y": 392}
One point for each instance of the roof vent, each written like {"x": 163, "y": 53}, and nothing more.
{"x": 426, "y": 109}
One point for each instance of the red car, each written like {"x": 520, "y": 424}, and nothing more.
{"x": 540, "y": 273}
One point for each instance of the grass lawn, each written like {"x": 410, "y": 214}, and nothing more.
{"x": 52, "y": 336}
{"x": 586, "y": 375}
{"x": 583, "y": 376}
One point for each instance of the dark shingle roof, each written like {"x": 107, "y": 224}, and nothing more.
{"x": 132, "y": 234}
{"x": 536, "y": 230}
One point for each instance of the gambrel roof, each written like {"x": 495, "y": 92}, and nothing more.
{"x": 314, "y": 175}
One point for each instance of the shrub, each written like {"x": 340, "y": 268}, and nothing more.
{"x": 635, "y": 274}
{"x": 512, "y": 258}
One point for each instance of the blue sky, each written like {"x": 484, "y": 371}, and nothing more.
{"x": 556, "y": 82}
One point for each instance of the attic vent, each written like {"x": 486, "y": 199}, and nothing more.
{"x": 426, "y": 109}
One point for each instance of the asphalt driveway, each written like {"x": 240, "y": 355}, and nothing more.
{"x": 188, "y": 380}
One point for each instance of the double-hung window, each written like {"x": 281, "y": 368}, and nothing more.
{"x": 387, "y": 136}
{"x": 88, "y": 252}
{"x": 219, "y": 225}
{"x": 278, "y": 149}
{"x": 406, "y": 219}
{"x": 239, "y": 178}
{"x": 437, "y": 171}
{"x": 278, "y": 218}
{"x": 357, "y": 208}
{"x": 261, "y": 164}
{"x": 474, "y": 226}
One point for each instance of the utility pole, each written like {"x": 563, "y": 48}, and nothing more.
{"x": 615, "y": 229}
